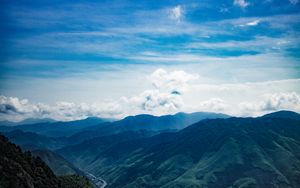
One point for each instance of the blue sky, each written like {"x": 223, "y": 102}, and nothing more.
{"x": 103, "y": 55}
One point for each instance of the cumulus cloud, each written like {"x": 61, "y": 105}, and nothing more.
{"x": 15, "y": 106}
{"x": 173, "y": 82}
{"x": 15, "y": 109}
{"x": 176, "y": 13}
{"x": 274, "y": 102}
{"x": 279, "y": 101}
{"x": 153, "y": 102}
{"x": 241, "y": 3}
{"x": 213, "y": 105}
{"x": 164, "y": 98}
{"x": 171, "y": 92}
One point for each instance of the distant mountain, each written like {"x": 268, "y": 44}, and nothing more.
{"x": 22, "y": 170}
{"x": 284, "y": 114}
{"x": 26, "y": 121}
{"x": 33, "y": 141}
{"x": 56, "y": 129}
{"x": 233, "y": 152}
{"x": 154, "y": 123}
{"x": 81, "y": 130}
{"x": 145, "y": 122}
{"x": 57, "y": 163}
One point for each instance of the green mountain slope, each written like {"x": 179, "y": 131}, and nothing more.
{"x": 234, "y": 152}
{"x": 87, "y": 151}
{"x": 22, "y": 170}
{"x": 57, "y": 163}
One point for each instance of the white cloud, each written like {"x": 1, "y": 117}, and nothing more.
{"x": 176, "y": 13}
{"x": 278, "y": 101}
{"x": 152, "y": 102}
{"x": 252, "y": 23}
{"x": 294, "y": 2}
{"x": 165, "y": 98}
{"x": 273, "y": 102}
{"x": 168, "y": 92}
{"x": 241, "y": 3}
{"x": 175, "y": 81}
{"x": 15, "y": 109}
{"x": 213, "y": 105}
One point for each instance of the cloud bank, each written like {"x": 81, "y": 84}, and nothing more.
{"x": 274, "y": 102}
{"x": 169, "y": 93}
{"x": 164, "y": 98}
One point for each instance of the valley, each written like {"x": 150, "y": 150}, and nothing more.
{"x": 211, "y": 152}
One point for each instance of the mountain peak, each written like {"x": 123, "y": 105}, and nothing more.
{"x": 284, "y": 114}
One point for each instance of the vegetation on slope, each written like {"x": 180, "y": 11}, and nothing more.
{"x": 234, "y": 152}
{"x": 22, "y": 170}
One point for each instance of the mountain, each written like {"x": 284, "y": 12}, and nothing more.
{"x": 87, "y": 151}
{"x": 154, "y": 123}
{"x": 33, "y": 141}
{"x": 80, "y": 130}
{"x": 22, "y": 170}
{"x": 56, "y": 129}
{"x": 232, "y": 152}
{"x": 284, "y": 114}
{"x": 57, "y": 163}
{"x": 26, "y": 121}
{"x": 145, "y": 122}
{"x": 75, "y": 181}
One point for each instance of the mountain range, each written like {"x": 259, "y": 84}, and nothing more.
{"x": 57, "y": 128}
{"x": 181, "y": 150}
{"x": 233, "y": 152}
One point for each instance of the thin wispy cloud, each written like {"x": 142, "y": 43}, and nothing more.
{"x": 177, "y": 13}
{"x": 294, "y": 2}
{"x": 252, "y": 23}
{"x": 241, "y": 3}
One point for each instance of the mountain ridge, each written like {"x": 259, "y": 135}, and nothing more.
{"x": 227, "y": 152}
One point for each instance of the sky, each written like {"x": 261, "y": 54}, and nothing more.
{"x": 68, "y": 60}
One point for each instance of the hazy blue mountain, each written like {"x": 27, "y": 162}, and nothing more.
{"x": 33, "y": 141}
{"x": 56, "y": 129}
{"x": 233, "y": 152}
{"x": 146, "y": 122}
{"x": 27, "y": 121}
{"x": 57, "y": 163}
{"x": 154, "y": 123}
